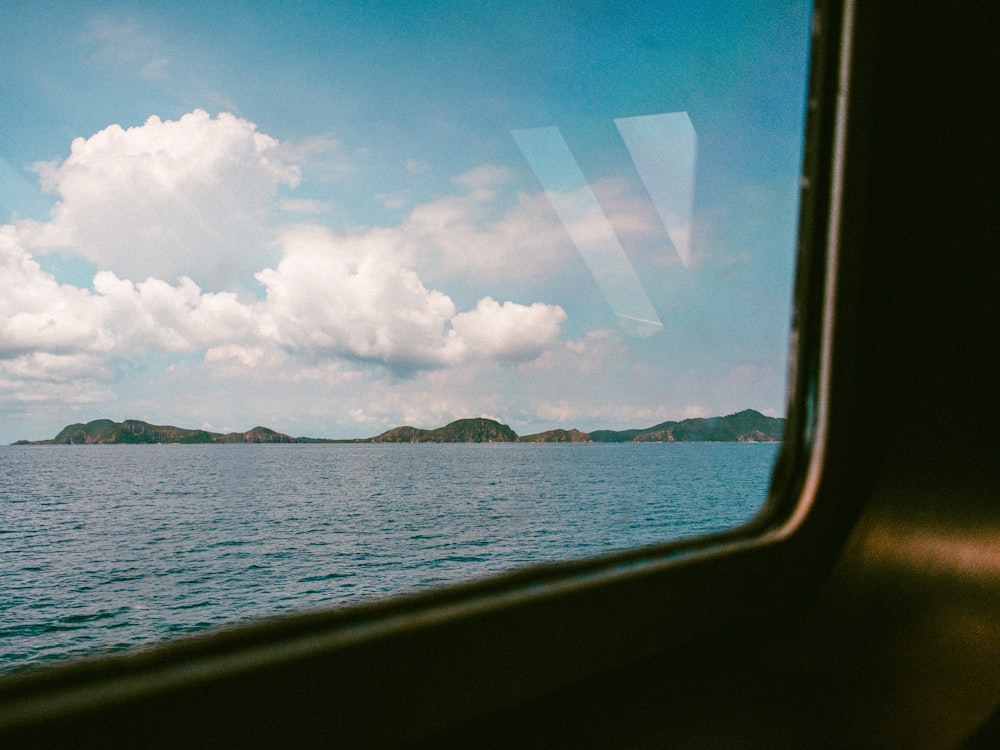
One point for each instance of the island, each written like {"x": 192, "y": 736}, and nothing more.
{"x": 107, "y": 432}
{"x": 747, "y": 426}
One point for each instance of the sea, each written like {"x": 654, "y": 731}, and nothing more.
{"x": 108, "y": 547}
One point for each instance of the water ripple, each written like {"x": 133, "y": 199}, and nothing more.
{"x": 108, "y": 547}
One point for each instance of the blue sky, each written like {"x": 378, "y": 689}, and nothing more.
{"x": 334, "y": 218}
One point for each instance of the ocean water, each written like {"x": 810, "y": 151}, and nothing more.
{"x": 107, "y": 547}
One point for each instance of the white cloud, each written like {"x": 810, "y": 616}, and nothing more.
{"x": 509, "y": 331}
{"x": 418, "y": 402}
{"x": 592, "y": 355}
{"x": 330, "y": 298}
{"x": 32, "y": 368}
{"x": 168, "y": 209}
{"x": 350, "y": 296}
{"x": 304, "y": 206}
{"x": 51, "y": 331}
{"x": 257, "y": 361}
{"x": 155, "y": 315}
{"x": 460, "y": 236}
{"x": 37, "y": 315}
{"x": 166, "y": 199}
{"x": 482, "y": 235}
{"x": 340, "y": 296}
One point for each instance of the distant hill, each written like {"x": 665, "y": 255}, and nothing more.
{"x": 747, "y": 426}
{"x": 556, "y": 436}
{"x": 461, "y": 431}
{"x": 104, "y": 431}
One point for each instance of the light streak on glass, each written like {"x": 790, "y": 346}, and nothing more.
{"x": 580, "y": 212}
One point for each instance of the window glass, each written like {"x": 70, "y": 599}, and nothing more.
{"x": 542, "y": 252}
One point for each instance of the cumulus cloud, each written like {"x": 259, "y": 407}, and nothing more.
{"x": 165, "y": 199}
{"x": 462, "y": 236}
{"x": 180, "y": 318}
{"x": 58, "y": 332}
{"x": 509, "y": 331}
{"x": 337, "y": 296}
{"x": 172, "y": 211}
{"x": 329, "y": 298}
{"x": 482, "y": 234}
{"x": 39, "y": 315}
{"x": 350, "y": 295}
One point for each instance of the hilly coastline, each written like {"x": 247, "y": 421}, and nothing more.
{"x": 479, "y": 430}
{"x": 747, "y": 426}
{"x": 134, "y": 431}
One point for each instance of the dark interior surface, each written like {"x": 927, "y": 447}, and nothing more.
{"x": 867, "y": 614}
{"x": 900, "y": 646}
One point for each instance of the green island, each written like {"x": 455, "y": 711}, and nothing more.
{"x": 747, "y": 426}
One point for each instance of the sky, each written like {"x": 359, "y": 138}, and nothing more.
{"x": 332, "y": 219}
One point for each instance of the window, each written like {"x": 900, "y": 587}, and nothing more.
{"x": 336, "y": 222}
{"x": 852, "y": 614}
